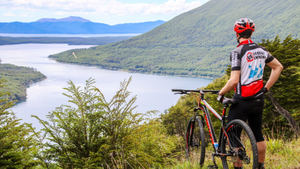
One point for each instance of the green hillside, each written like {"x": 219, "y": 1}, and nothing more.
{"x": 196, "y": 43}
{"x": 17, "y": 79}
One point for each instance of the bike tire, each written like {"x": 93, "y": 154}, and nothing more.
{"x": 195, "y": 141}
{"x": 246, "y": 152}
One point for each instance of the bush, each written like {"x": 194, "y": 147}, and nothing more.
{"x": 17, "y": 143}
{"x": 95, "y": 133}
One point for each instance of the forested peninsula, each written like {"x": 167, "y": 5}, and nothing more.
{"x": 15, "y": 80}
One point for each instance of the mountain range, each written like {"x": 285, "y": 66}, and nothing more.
{"x": 74, "y": 25}
{"x": 195, "y": 43}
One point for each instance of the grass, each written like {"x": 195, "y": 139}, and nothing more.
{"x": 280, "y": 155}
{"x": 185, "y": 164}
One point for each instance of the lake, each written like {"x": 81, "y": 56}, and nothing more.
{"x": 153, "y": 91}
{"x": 68, "y": 35}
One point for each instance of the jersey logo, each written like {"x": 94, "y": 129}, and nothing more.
{"x": 254, "y": 72}
{"x": 249, "y": 56}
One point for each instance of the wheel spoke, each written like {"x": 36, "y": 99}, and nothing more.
{"x": 244, "y": 151}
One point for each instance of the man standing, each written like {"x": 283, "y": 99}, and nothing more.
{"x": 247, "y": 66}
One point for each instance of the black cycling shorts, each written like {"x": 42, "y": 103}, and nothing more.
{"x": 251, "y": 111}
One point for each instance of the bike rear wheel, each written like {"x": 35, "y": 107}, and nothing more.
{"x": 243, "y": 149}
{"x": 195, "y": 141}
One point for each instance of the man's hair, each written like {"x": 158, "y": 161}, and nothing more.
{"x": 246, "y": 34}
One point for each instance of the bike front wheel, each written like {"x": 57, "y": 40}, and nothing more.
{"x": 239, "y": 145}
{"x": 195, "y": 141}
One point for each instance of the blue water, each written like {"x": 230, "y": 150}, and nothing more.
{"x": 153, "y": 91}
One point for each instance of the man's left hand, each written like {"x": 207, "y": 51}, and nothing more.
{"x": 220, "y": 98}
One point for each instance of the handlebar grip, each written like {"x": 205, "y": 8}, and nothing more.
{"x": 176, "y": 90}
{"x": 211, "y": 91}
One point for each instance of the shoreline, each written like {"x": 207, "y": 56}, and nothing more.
{"x": 27, "y": 85}
{"x": 132, "y": 71}
{"x": 16, "y": 81}
{"x": 7, "y": 40}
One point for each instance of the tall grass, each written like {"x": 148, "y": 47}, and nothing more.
{"x": 280, "y": 155}
{"x": 283, "y": 154}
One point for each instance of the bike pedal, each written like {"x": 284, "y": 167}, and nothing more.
{"x": 212, "y": 167}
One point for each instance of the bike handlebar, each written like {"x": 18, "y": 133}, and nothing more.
{"x": 183, "y": 91}
{"x": 225, "y": 101}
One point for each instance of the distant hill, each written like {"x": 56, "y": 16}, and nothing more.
{"x": 67, "y": 19}
{"x": 195, "y": 43}
{"x": 75, "y": 25}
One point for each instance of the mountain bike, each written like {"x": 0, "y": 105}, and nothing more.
{"x": 236, "y": 144}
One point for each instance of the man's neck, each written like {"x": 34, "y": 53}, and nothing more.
{"x": 243, "y": 39}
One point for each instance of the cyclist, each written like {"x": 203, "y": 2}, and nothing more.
{"x": 247, "y": 65}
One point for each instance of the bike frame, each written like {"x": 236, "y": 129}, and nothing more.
{"x": 206, "y": 109}
{"x": 220, "y": 144}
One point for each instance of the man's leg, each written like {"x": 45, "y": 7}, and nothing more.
{"x": 261, "y": 147}
{"x": 237, "y": 112}
{"x": 255, "y": 123}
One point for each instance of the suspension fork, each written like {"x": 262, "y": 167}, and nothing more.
{"x": 192, "y": 126}
{"x": 193, "y": 123}
{"x": 191, "y": 132}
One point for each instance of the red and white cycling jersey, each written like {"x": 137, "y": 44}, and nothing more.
{"x": 250, "y": 59}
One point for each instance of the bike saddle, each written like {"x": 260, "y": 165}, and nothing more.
{"x": 228, "y": 101}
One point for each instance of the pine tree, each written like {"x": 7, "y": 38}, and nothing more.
{"x": 283, "y": 100}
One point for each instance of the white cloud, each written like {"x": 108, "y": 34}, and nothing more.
{"x": 9, "y": 14}
{"x": 100, "y": 8}
{"x": 109, "y": 6}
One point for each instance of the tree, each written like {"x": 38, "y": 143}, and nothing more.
{"x": 17, "y": 143}
{"x": 284, "y": 95}
{"x": 176, "y": 118}
{"x": 92, "y": 132}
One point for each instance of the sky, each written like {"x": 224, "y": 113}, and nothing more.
{"x": 104, "y": 11}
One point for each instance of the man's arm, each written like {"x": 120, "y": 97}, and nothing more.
{"x": 232, "y": 82}
{"x": 276, "y": 67}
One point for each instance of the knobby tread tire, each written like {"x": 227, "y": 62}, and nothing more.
{"x": 251, "y": 137}
{"x": 191, "y": 136}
